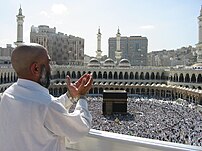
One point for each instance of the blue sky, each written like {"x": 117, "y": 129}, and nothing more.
{"x": 168, "y": 24}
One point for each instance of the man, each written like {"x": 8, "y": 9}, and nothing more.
{"x": 32, "y": 119}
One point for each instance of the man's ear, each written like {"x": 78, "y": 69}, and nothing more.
{"x": 35, "y": 69}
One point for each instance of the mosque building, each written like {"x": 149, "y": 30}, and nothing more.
{"x": 160, "y": 82}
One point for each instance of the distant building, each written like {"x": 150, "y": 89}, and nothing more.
{"x": 20, "y": 20}
{"x": 86, "y": 59}
{"x": 63, "y": 49}
{"x": 133, "y": 48}
{"x": 184, "y": 56}
{"x": 6, "y": 52}
{"x": 5, "y": 55}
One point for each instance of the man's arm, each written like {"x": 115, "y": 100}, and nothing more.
{"x": 65, "y": 100}
{"x": 71, "y": 125}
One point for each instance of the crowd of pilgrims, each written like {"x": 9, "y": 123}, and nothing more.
{"x": 151, "y": 118}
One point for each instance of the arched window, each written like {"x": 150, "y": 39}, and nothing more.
{"x": 115, "y": 75}
{"x": 157, "y": 76}
{"x": 78, "y": 74}
{"x": 120, "y": 75}
{"x": 199, "y": 79}
{"x": 110, "y": 75}
{"x": 94, "y": 75}
{"x": 131, "y": 75}
{"x": 99, "y": 75}
{"x": 163, "y": 77}
{"x": 193, "y": 78}
{"x": 1, "y": 78}
{"x": 73, "y": 75}
{"x": 137, "y": 91}
{"x": 136, "y": 75}
{"x": 132, "y": 91}
{"x": 105, "y": 75}
{"x": 126, "y": 75}
{"x": 175, "y": 77}
{"x": 95, "y": 90}
{"x": 11, "y": 77}
{"x": 143, "y": 91}
{"x": 142, "y": 76}
{"x": 5, "y": 78}
{"x": 187, "y": 78}
{"x": 181, "y": 78}
{"x": 152, "y": 76}
{"x": 147, "y": 75}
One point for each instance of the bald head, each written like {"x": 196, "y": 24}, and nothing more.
{"x": 24, "y": 56}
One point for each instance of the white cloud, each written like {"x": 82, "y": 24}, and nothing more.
{"x": 44, "y": 13}
{"x": 147, "y": 27}
{"x": 58, "y": 9}
{"x": 3, "y": 42}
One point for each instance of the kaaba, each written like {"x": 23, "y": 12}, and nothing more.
{"x": 114, "y": 101}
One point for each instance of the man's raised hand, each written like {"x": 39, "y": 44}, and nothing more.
{"x": 81, "y": 86}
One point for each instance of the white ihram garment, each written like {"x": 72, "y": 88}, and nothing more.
{"x": 33, "y": 120}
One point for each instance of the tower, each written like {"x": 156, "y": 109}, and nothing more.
{"x": 199, "y": 44}
{"x": 118, "y": 46}
{"x": 20, "y": 20}
{"x": 99, "y": 52}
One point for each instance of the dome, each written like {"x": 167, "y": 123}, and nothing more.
{"x": 197, "y": 65}
{"x": 101, "y": 83}
{"x": 158, "y": 85}
{"x": 94, "y": 63}
{"x": 121, "y": 84}
{"x": 124, "y": 63}
{"x": 109, "y": 63}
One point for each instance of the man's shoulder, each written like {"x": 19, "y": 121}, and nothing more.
{"x": 28, "y": 95}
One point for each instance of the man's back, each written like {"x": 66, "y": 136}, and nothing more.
{"x": 22, "y": 112}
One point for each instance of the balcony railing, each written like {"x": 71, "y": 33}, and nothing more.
{"x": 106, "y": 141}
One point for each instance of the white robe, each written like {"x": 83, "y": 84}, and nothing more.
{"x": 33, "y": 120}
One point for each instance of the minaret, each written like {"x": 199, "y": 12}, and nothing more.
{"x": 99, "y": 52}
{"x": 199, "y": 44}
{"x": 20, "y": 20}
{"x": 118, "y": 46}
